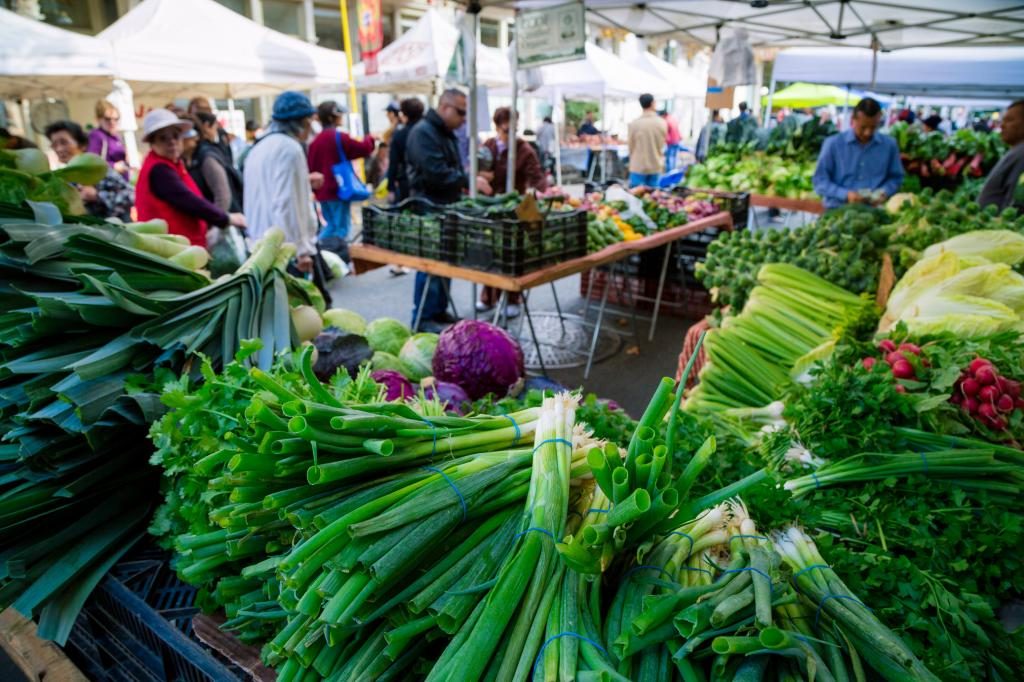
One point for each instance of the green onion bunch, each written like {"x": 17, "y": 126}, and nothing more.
{"x": 790, "y": 318}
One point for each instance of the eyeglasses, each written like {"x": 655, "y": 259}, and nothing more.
{"x": 112, "y": 119}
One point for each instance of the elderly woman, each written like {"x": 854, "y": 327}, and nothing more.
{"x": 113, "y": 196}
{"x": 105, "y": 140}
{"x": 166, "y": 190}
{"x": 278, "y": 184}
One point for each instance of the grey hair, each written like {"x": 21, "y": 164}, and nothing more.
{"x": 450, "y": 94}
{"x": 291, "y": 127}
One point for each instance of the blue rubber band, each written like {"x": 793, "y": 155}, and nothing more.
{"x": 924, "y": 460}
{"x": 751, "y": 537}
{"x": 539, "y": 530}
{"x": 699, "y": 570}
{"x": 817, "y": 483}
{"x": 519, "y": 433}
{"x": 689, "y": 537}
{"x": 646, "y": 567}
{"x": 462, "y": 500}
{"x": 553, "y": 440}
{"x": 752, "y": 570}
{"x": 433, "y": 432}
{"x": 540, "y": 654}
{"x": 810, "y": 568}
{"x": 598, "y": 511}
{"x": 824, "y": 599}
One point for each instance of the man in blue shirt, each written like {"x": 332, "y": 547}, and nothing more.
{"x": 858, "y": 161}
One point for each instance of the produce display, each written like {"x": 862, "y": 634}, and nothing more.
{"x": 843, "y": 247}
{"x": 757, "y": 172}
{"x": 25, "y": 175}
{"x": 935, "y": 155}
{"x": 96, "y": 316}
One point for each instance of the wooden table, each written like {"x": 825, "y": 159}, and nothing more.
{"x": 769, "y": 201}
{"x": 366, "y": 257}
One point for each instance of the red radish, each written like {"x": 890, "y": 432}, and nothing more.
{"x": 901, "y": 369}
{"x": 988, "y": 394}
{"x": 970, "y": 405}
{"x": 886, "y": 346}
{"x": 868, "y": 363}
{"x": 997, "y": 424}
{"x": 986, "y": 411}
{"x": 900, "y": 388}
{"x": 910, "y": 348}
{"x": 1005, "y": 403}
{"x": 978, "y": 363}
{"x": 1018, "y": 403}
{"x": 970, "y": 387}
{"x": 1011, "y": 388}
{"x": 894, "y": 357}
{"x": 956, "y": 399}
{"x": 985, "y": 376}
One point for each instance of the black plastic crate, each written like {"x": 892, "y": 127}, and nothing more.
{"x": 137, "y": 626}
{"x": 415, "y": 227}
{"x": 504, "y": 244}
{"x": 737, "y": 204}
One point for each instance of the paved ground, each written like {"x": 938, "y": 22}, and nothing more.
{"x": 629, "y": 377}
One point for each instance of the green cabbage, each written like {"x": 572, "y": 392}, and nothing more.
{"x": 417, "y": 355}
{"x": 997, "y": 246}
{"x": 963, "y": 315}
{"x": 996, "y": 281}
{"x": 345, "y": 320}
{"x": 387, "y": 334}
{"x": 382, "y": 360}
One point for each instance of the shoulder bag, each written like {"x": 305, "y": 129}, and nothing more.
{"x": 350, "y": 187}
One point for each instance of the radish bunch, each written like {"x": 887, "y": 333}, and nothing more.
{"x": 897, "y": 359}
{"x": 986, "y": 395}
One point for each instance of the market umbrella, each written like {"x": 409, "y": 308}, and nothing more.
{"x": 812, "y": 95}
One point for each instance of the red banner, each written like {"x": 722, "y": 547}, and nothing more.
{"x": 371, "y": 33}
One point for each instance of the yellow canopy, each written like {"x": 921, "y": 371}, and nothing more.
{"x": 810, "y": 95}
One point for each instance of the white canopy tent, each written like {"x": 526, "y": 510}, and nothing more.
{"x": 978, "y": 72}
{"x": 599, "y": 75}
{"x": 890, "y": 24}
{"x": 683, "y": 84}
{"x": 421, "y": 56}
{"x": 38, "y": 60}
{"x": 171, "y": 47}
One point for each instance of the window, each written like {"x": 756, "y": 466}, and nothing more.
{"x": 283, "y": 16}
{"x": 239, "y": 6}
{"x": 406, "y": 20}
{"x": 490, "y": 32}
{"x": 327, "y": 24}
{"x": 66, "y": 14}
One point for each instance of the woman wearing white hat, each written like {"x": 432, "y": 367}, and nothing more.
{"x": 166, "y": 190}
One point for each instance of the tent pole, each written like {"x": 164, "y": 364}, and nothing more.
{"x": 510, "y": 180}
{"x": 469, "y": 42}
{"x": 771, "y": 95}
{"x": 874, "y": 62}
{"x": 558, "y": 118}
{"x": 353, "y": 100}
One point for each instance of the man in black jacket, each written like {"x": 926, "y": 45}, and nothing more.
{"x": 434, "y": 171}
{"x": 398, "y": 184}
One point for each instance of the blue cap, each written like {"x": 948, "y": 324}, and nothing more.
{"x": 291, "y": 105}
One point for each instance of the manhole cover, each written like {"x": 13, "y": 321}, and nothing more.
{"x": 564, "y": 345}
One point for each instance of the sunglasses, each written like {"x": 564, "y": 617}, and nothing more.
{"x": 460, "y": 112}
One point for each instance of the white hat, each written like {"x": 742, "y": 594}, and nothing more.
{"x": 158, "y": 119}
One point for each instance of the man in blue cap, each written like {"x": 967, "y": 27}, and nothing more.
{"x": 278, "y": 184}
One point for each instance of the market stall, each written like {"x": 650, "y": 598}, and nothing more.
{"x": 165, "y": 47}
{"x": 38, "y": 60}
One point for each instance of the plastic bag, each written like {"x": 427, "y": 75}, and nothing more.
{"x": 227, "y": 250}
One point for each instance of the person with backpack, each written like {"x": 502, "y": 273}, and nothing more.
{"x": 217, "y": 178}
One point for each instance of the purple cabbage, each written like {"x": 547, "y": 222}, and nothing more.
{"x": 452, "y": 395}
{"x": 398, "y": 387}
{"x": 479, "y": 357}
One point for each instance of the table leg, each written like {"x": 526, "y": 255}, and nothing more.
{"x": 448, "y": 295}
{"x": 597, "y": 330}
{"x": 500, "y": 308}
{"x": 752, "y": 217}
{"x": 533, "y": 335}
{"x": 473, "y": 302}
{"x": 423, "y": 302}
{"x": 558, "y": 307}
{"x": 661, "y": 288}
{"x": 591, "y": 275}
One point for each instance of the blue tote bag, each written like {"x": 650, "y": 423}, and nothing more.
{"x": 350, "y": 187}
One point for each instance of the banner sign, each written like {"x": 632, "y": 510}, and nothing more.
{"x": 548, "y": 36}
{"x": 371, "y": 33}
